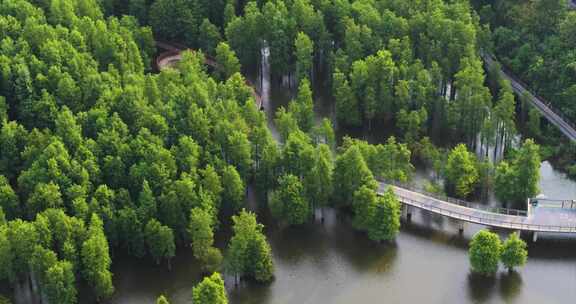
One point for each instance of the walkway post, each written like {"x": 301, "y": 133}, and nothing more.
{"x": 535, "y": 237}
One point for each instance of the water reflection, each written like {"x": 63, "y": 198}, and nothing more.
{"x": 510, "y": 285}
{"x": 480, "y": 287}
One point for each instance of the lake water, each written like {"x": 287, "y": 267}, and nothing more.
{"x": 331, "y": 263}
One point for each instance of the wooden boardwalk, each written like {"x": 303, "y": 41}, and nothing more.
{"x": 556, "y": 220}
{"x": 173, "y": 54}
{"x": 554, "y": 116}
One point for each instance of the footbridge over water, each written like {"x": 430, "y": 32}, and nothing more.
{"x": 555, "y": 220}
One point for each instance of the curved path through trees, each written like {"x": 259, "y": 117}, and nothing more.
{"x": 554, "y": 116}
{"x": 560, "y": 220}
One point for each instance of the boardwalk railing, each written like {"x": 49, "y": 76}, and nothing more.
{"x": 509, "y": 223}
{"x": 545, "y": 107}
{"x": 461, "y": 203}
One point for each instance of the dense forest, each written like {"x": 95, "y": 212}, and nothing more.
{"x": 101, "y": 154}
{"x": 536, "y": 41}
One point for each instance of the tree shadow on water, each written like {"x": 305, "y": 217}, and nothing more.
{"x": 510, "y": 285}
{"x": 480, "y": 287}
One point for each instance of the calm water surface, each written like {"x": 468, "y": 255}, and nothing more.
{"x": 330, "y": 263}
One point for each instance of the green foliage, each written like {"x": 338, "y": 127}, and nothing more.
{"x": 514, "y": 252}
{"x": 249, "y": 253}
{"x": 210, "y": 291}
{"x": 517, "y": 180}
{"x": 364, "y": 202}
{"x": 484, "y": 252}
{"x": 378, "y": 215}
{"x": 61, "y": 285}
{"x": 461, "y": 172}
{"x": 318, "y": 181}
{"x": 160, "y": 241}
{"x": 350, "y": 174}
{"x": 385, "y": 220}
{"x": 227, "y": 60}
{"x": 202, "y": 236}
{"x": 96, "y": 259}
{"x": 288, "y": 203}
{"x": 347, "y": 110}
{"x": 8, "y": 199}
{"x": 302, "y": 108}
{"x": 162, "y": 300}
{"x": 234, "y": 192}
{"x": 304, "y": 49}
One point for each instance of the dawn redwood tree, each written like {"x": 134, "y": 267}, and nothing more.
{"x": 210, "y": 291}
{"x": 162, "y": 300}
{"x": 289, "y": 203}
{"x": 96, "y": 259}
{"x": 461, "y": 172}
{"x": 160, "y": 241}
{"x": 304, "y": 53}
{"x": 201, "y": 233}
{"x": 514, "y": 252}
{"x": 61, "y": 284}
{"x": 347, "y": 109}
{"x": 249, "y": 253}
{"x": 384, "y": 223}
{"x": 227, "y": 61}
{"x": 234, "y": 192}
{"x": 351, "y": 173}
{"x": 517, "y": 180}
{"x": 364, "y": 203}
{"x": 484, "y": 252}
{"x": 303, "y": 106}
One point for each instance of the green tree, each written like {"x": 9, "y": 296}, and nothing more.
{"x": 385, "y": 222}
{"x": 147, "y": 207}
{"x": 364, "y": 203}
{"x": 234, "y": 191}
{"x": 160, "y": 240}
{"x": 210, "y": 291}
{"x": 484, "y": 252}
{"x": 517, "y": 180}
{"x": 162, "y": 300}
{"x": 285, "y": 122}
{"x": 6, "y": 255}
{"x": 61, "y": 284}
{"x": 304, "y": 49}
{"x": 202, "y": 236}
{"x": 227, "y": 61}
{"x": 44, "y": 196}
{"x": 318, "y": 182}
{"x": 514, "y": 252}
{"x": 248, "y": 251}
{"x": 8, "y": 199}
{"x": 289, "y": 202}
{"x": 209, "y": 37}
{"x": 350, "y": 173}
{"x": 96, "y": 259}
{"x": 303, "y": 107}
{"x": 347, "y": 110}
{"x": 461, "y": 172}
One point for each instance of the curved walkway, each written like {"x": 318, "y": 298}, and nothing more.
{"x": 552, "y": 115}
{"x": 561, "y": 220}
{"x": 557, "y": 220}
{"x": 173, "y": 53}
